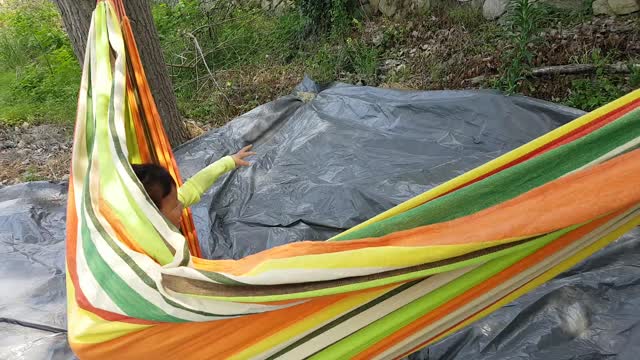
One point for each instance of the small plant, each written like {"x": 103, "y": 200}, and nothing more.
{"x": 326, "y": 16}
{"x": 523, "y": 17}
{"x": 364, "y": 60}
{"x": 31, "y": 174}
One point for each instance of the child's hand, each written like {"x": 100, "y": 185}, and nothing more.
{"x": 240, "y": 155}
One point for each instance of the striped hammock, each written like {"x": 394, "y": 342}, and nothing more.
{"x": 137, "y": 287}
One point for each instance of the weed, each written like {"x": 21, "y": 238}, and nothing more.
{"x": 31, "y": 174}
{"x": 466, "y": 16}
{"x": 523, "y": 18}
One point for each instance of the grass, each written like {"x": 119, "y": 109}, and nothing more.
{"x": 16, "y": 107}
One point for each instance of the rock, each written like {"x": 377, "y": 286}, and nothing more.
{"x": 368, "y": 10}
{"x": 601, "y": 7}
{"x": 25, "y": 125}
{"x": 22, "y": 144}
{"x": 377, "y": 39}
{"x": 477, "y": 4}
{"x": 493, "y": 9}
{"x": 420, "y": 5}
{"x": 375, "y": 5}
{"x": 624, "y": 7}
{"x": 388, "y": 7}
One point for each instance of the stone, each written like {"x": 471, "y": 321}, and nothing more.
{"x": 601, "y": 7}
{"x": 388, "y": 7}
{"x": 477, "y": 4}
{"x": 624, "y": 7}
{"x": 377, "y": 39}
{"x": 493, "y": 9}
{"x": 420, "y": 5}
{"x": 375, "y": 5}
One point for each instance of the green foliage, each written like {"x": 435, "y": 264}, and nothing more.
{"x": 352, "y": 57}
{"x": 201, "y": 43}
{"x": 326, "y": 16}
{"x": 324, "y": 64}
{"x": 593, "y": 93}
{"x": 601, "y": 89}
{"x": 40, "y": 75}
{"x": 522, "y": 31}
{"x": 362, "y": 60}
{"x": 31, "y": 174}
{"x": 467, "y": 16}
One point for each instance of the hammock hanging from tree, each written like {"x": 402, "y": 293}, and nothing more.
{"x": 137, "y": 287}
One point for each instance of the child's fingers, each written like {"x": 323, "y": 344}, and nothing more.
{"x": 247, "y": 148}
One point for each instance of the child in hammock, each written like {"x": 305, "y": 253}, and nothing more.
{"x": 170, "y": 200}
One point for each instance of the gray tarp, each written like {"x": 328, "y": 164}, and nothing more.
{"x": 325, "y": 164}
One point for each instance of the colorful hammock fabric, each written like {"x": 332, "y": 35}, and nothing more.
{"x": 392, "y": 285}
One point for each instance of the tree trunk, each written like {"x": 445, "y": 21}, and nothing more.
{"x": 76, "y": 16}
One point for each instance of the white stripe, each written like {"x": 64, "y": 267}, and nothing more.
{"x": 374, "y": 313}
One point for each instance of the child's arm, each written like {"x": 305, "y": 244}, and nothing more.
{"x": 191, "y": 191}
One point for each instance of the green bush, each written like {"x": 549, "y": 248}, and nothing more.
{"x": 237, "y": 38}
{"x": 40, "y": 75}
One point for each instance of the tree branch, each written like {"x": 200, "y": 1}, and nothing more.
{"x": 570, "y": 69}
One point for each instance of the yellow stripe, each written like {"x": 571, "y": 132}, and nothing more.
{"x": 550, "y": 274}
{"x": 310, "y": 323}
{"x": 498, "y": 162}
{"x": 88, "y": 328}
{"x": 375, "y": 257}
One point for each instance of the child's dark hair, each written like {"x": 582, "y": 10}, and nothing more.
{"x": 156, "y": 181}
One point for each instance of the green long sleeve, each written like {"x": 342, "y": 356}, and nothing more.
{"x": 191, "y": 191}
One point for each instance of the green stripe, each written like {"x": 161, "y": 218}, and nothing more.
{"x": 221, "y": 279}
{"x": 127, "y": 299}
{"x": 373, "y": 333}
{"x": 343, "y": 318}
{"x": 511, "y": 182}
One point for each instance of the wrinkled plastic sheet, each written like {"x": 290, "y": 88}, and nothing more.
{"x": 328, "y": 160}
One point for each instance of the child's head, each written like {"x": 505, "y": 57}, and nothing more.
{"x": 161, "y": 189}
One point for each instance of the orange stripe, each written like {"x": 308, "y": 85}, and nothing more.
{"x": 483, "y": 288}
{"x": 120, "y": 231}
{"x": 143, "y": 145}
{"x": 204, "y": 340}
{"x": 614, "y": 181}
{"x": 161, "y": 142}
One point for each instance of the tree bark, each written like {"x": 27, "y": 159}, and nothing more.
{"x": 76, "y": 16}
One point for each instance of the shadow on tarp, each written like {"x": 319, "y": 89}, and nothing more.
{"x": 327, "y": 160}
